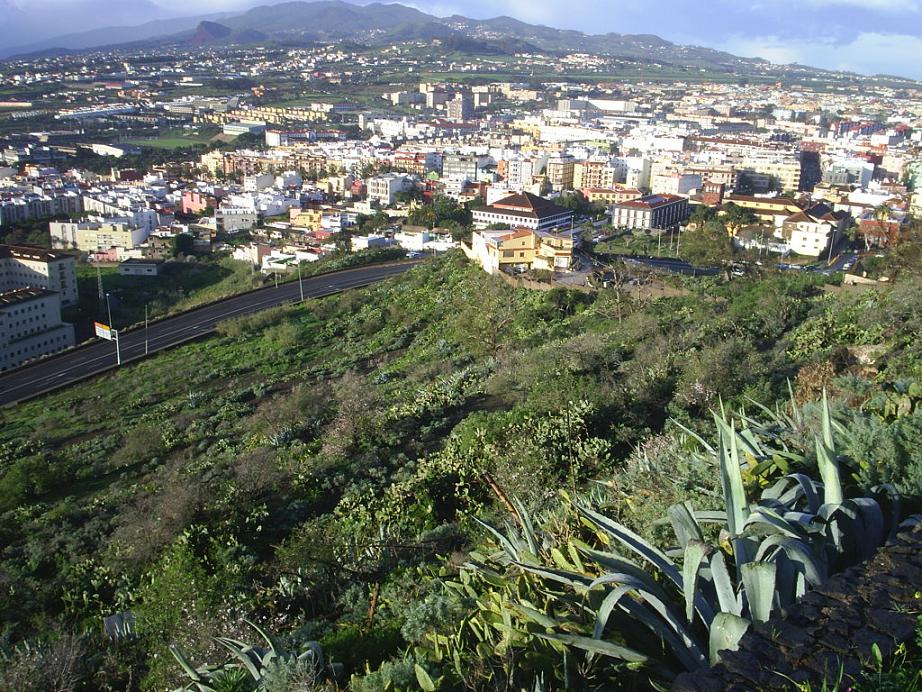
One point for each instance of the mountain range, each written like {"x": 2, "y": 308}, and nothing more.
{"x": 308, "y": 23}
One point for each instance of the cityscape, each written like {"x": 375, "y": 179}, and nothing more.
{"x": 354, "y": 347}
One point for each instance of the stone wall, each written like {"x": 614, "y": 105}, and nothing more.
{"x": 831, "y": 631}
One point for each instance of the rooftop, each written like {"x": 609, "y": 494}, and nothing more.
{"x": 29, "y": 252}
{"x": 23, "y": 295}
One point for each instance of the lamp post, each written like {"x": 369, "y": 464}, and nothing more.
{"x": 118, "y": 350}
{"x": 300, "y": 285}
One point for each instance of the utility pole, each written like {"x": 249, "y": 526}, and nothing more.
{"x": 146, "y": 351}
{"x": 118, "y": 349}
{"x": 300, "y": 284}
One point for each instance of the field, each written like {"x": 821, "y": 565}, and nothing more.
{"x": 174, "y": 139}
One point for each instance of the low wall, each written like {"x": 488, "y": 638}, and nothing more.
{"x": 831, "y": 631}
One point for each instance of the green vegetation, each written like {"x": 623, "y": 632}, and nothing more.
{"x": 321, "y": 471}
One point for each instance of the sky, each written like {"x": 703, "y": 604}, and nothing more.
{"x": 866, "y": 36}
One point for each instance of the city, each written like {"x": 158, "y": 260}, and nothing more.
{"x": 386, "y": 341}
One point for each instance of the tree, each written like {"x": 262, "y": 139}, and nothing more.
{"x": 182, "y": 244}
{"x": 735, "y": 217}
{"x": 708, "y": 245}
{"x": 702, "y": 215}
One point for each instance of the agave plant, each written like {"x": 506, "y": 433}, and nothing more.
{"x": 249, "y": 667}
{"x": 637, "y": 605}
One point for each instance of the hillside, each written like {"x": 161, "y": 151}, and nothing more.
{"x": 315, "y": 469}
{"x": 378, "y": 24}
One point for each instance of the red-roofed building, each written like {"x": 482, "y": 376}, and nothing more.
{"x": 523, "y": 210}
{"x": 661, "y": 212}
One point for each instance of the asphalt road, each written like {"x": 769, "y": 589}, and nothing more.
{"x": 99, "y": 356}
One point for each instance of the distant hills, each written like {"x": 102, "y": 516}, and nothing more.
{"x": 308, "y": 23}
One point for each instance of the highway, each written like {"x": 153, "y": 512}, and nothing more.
{"x": 98, "y": 356}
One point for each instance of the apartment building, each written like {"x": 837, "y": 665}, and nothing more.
{"x": 30, "y": 326}
{"x": 661, "y": 212}
{"x": 29, "y": 267}
{"x": 90, "y": 236}
{"x": 559, "y": 172}
{"x": 383, "y": 189}
{"x": 598, "y": 173}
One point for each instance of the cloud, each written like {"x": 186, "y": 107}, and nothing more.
{"x": 874, "y": 5}
{"x": 867, "y": 53}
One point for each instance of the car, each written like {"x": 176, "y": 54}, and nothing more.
{"x": 414, "y": 255}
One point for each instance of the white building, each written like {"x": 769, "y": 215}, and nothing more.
{"x": 384, "y": 188}
{"x": 814, "y": 231}
{"x": 30, "y": 326}
{"x": 365, "y": 242}
{"x": 28, "y": 267}
{"x": 258, "y": 182}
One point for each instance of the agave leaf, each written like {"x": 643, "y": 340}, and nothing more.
{"x": 731, "y": 479}
{"x": 528, "y": 528}
{"x": 726, "y": 593}
{"x": 273, "y": 645}
{"x": 695, "y": 436}
{"x": 763, "y": 517}
{"x": 828, "y": 439}
{"x": 631, "y": 540}
{"x": 829, "y": 471}
{"x": 759, "y": 582}
{"x": 193, "y": 674}
{"x": 242, "y": 652}
{"x": 726, "y": 632}
{"x": 503, "y": 541}
{"x": 684, "y": 524}
{"x": 695, "y": 552}
{"x": 710, "y": 517}
{"x": 799, "y": 553}
{"x": 598, "y": 646}
{"x": 571, "y": 579}
{"x": 808, "y": 487}
{"x": 873, "y": 520}
{"x": 638, "y": 603}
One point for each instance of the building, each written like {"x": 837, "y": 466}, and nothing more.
{"x": 815, "y": 231}
{"x": 242, "y": 128}
{"x": 662, "y": 212}
{"x": 523, "y": 210}
{"x": 29, "y": 267}
{"x": 461, "y": 107}
{"x": 235, "y": 219}
{"x": 674, "y": 183}
{"x": 559, "y": 172}
{"x": 598, "y": 174}
{"x": 384, "y": 188}
{"x": 89, "y": 236}
{"x": 614, "y": 195}
{"x": 194, "y": 202}
{"x": 521, "y": 249}
{"x": 135, "y": 266}
{"x": 460, "y": 167}
{"x": 30, "y": 326}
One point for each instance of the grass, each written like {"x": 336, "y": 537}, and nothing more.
{"x": 181, "y": 286}
{"x": 174, "y": 139}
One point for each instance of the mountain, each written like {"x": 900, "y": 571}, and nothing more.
{"x": 110, "y": 35}
{"x": 307, "y": 23}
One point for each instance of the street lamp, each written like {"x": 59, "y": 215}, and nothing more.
{"x": 114, "y": 333}
{"x": 300, "y": 285}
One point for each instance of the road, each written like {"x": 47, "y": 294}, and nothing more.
{"x": 99, "y": 356}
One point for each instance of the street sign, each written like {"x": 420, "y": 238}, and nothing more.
{"x": 104, "y": 331}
